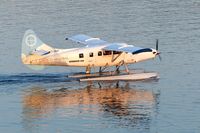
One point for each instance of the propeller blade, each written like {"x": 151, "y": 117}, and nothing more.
{"x": 160, "y": 57}
{"x": 157, "y": 44}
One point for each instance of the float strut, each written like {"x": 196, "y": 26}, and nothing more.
{"x": 100, "y": 70}
{"x": 88, "y": 70}
{"x": 126, "y": 67}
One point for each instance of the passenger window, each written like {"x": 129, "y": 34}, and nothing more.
{"x": 100, "y": 53}
{"x": 107, "y": 52}
{"x": 91, "y": 54}
{"x": 81, "y": 55}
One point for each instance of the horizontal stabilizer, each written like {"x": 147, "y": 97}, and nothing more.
{"x": 40, "y": 52}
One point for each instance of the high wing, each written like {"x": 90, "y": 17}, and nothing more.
{"x": 123, "y": 47}
{"x": 86, "y": 40}
{"x": 120, "y": 47}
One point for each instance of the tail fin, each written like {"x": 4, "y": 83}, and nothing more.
{"x": 32, "y": 47}
{"x": 31, "y": 43}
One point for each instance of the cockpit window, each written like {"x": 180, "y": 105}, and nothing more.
{"x": 142, "y": 50}
{"x": 116, "y": 52}
{"x": 107, "y": 52}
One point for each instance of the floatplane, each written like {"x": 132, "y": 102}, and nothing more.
{"x": 94, "y": 53}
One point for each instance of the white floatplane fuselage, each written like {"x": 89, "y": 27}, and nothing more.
{"x": 35, "y": 52}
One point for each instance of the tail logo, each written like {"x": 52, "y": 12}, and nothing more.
{"x": 31, "y": 40}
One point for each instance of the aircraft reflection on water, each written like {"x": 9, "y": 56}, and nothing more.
{"x": 133, "y": 105}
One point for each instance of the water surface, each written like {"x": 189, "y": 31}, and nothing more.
{"x": 48, "y": 101}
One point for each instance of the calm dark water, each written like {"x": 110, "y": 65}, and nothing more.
{"x": 48, "y": 101}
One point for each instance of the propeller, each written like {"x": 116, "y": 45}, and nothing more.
{"x": 157, "y": 50}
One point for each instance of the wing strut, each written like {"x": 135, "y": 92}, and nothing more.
{"x": 114, "y": 58}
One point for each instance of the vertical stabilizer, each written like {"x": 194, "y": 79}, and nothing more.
{"x": 33, "y": 48}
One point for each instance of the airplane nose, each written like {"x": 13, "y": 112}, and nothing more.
{"x": 156, "y": 52}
